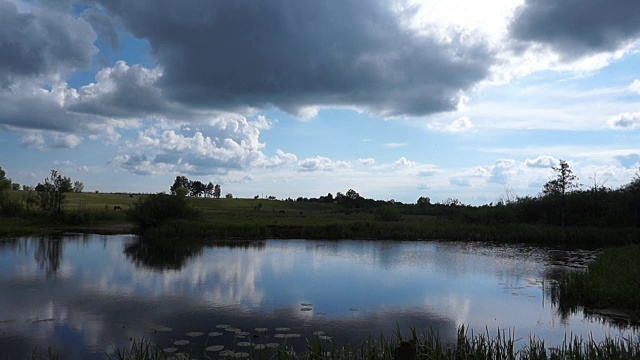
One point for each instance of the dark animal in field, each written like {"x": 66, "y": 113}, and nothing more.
{"x": 281, "y": 212}
{"x": 117, "y": 207}
{"x": 406, "y": 350}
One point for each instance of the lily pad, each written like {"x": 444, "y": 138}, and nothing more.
{"x": 244, "y": 343}
{"x": 181, "y": 342}
{"x": 259, "y": 346}
{"x": 230, "y": 329}
{"x": 242, "y": 333}
{"x": 272, "y": 345}
{"x": 306, "y": 309}
{"x": 161, "y": 328}
{"x": 282, "y": 329}
{"x": 293, "y": 335}
{"x": 306, "y": 304}
{"x": 214, "y": 348}
{"x": 318, "y": 333}
{"x": 170, "y": 349}
{"x": 280, "y": 336}
{"x": 324, "y": 337}
{"x": 240, "y": 355}
{"x": 194, "y": 334}
{"x": 215, "y": 333}
{"x": 223, "y": 326}
{"x": 226, "y": 353}
{"x": 262, "y": 330}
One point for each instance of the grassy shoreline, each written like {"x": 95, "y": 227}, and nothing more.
{"x": 426, "y": 345}
{"x": 610, "y": 284}
{"x": 243, "y": 218}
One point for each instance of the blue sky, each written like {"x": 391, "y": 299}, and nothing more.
{"x": 396, "y": 99}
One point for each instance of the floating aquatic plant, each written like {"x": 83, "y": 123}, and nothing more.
{"x": 181, "y": 342}
{"x": 170, "y": 349}
{"x": 306, "y": 309}
{"x": 272, "y": 345}
{"x": 259, "y": 346}
{"x": 282, "y": 329}
{"x": 280, "y": 336}
{"x": 223, "y": 326}
{"x": 215, "y": 333}
{"x": 318, "y": 333}
{"x": 262, "y": 330}
{"x": 306, "y": 304}
{"x": 230, "y": 329}
{"x": 240, "y": 355}
{"x": 214, "y": 348}
{"x": 226, "y": 353}
{"x": 194, "y": 334}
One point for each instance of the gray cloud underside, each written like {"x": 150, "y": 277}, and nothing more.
{"x": 41, "y": 43}
{"x": 294, "y": 54}
{"x": 575, "y": 28}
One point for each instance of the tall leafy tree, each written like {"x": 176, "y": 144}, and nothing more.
{"x": 564, "y": 182}
{"x": 180, "y": 182}
{"x": 52, "y": 191}
{"x": 216, "y": 191}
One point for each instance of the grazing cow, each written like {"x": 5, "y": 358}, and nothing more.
{"x": 117, "y": 207}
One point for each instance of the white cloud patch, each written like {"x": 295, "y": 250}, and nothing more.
{"x": 33, "y": 140}
{"x": 460, "y": 125}
{"x": 635, "y": 86}
{"x": 395, "y": 145}
{"x": 456, "y": 126}
{"x": 367, "y": 161}
{"x": 321, "y": 163}
{"x": 543, "y": 161}
{"x": 66, "y": 141}
{"x": 462, "y": 182}
{"x": 625, "y": 121}
{"x": 403, "y": 162}
{"x": 225, "y": 143}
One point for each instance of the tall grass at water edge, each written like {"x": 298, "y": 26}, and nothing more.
{"x": 428, "y": 345}
{"x": 610, "y": 282}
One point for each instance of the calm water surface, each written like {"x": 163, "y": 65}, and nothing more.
{"x": 88, "y": 295}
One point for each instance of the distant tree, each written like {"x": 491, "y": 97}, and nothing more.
{"x": 209, "y": 190}
{"x": 558, "y": 188}
{"x": 352, "y": 195}
{"x": 452, "y": 202}
{"x": 423, "y": 201}
{"x": 180, "y": 181}
{"x": 52, "y": 191}
{"x": 197, "y": 188}
{"x": 5, "y": 183}
{"x": 78, "y": 186}
{"x": 15, "y": 186}
{"x": 216, "y": 191}
{"x": 256, "y": 197}
{"x": 182, "y": 192}
{"x": 633, "y": 191}
{"x": 229, "y": 196}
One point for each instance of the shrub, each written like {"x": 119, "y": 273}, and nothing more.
{"x": 152, "y": 211}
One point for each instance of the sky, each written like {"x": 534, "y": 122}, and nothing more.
{"x": 396, "y": 99}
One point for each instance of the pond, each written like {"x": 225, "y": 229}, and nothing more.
{"x": 87, "y": 295}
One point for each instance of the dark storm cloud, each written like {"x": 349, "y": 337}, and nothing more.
{"x": 576, "y": 28}
{"x": 294, "y": 54}
{"x": 41, "y": 43}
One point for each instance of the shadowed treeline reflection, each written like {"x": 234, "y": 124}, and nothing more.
{"x": 172, "y": 254}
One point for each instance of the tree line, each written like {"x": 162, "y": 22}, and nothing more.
{"x": 48, "y": 195}
{"x": 183, "y": 186}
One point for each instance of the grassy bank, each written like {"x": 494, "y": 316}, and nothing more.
{"x": 610, "y": 282}
{"x": 427, "y": 345}
{"x": 259, "y": 219}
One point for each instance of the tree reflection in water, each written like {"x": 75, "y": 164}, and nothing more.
{"x": 48, "y": 254}
{"x": 173, "y": 254}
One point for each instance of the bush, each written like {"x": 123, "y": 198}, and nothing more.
{"x": 388, "y": 213}
{"x": 154, "y": 210}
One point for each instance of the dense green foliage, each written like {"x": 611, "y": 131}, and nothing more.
{"x": 152, "y": 211}
{"x": 610, "y": 282}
